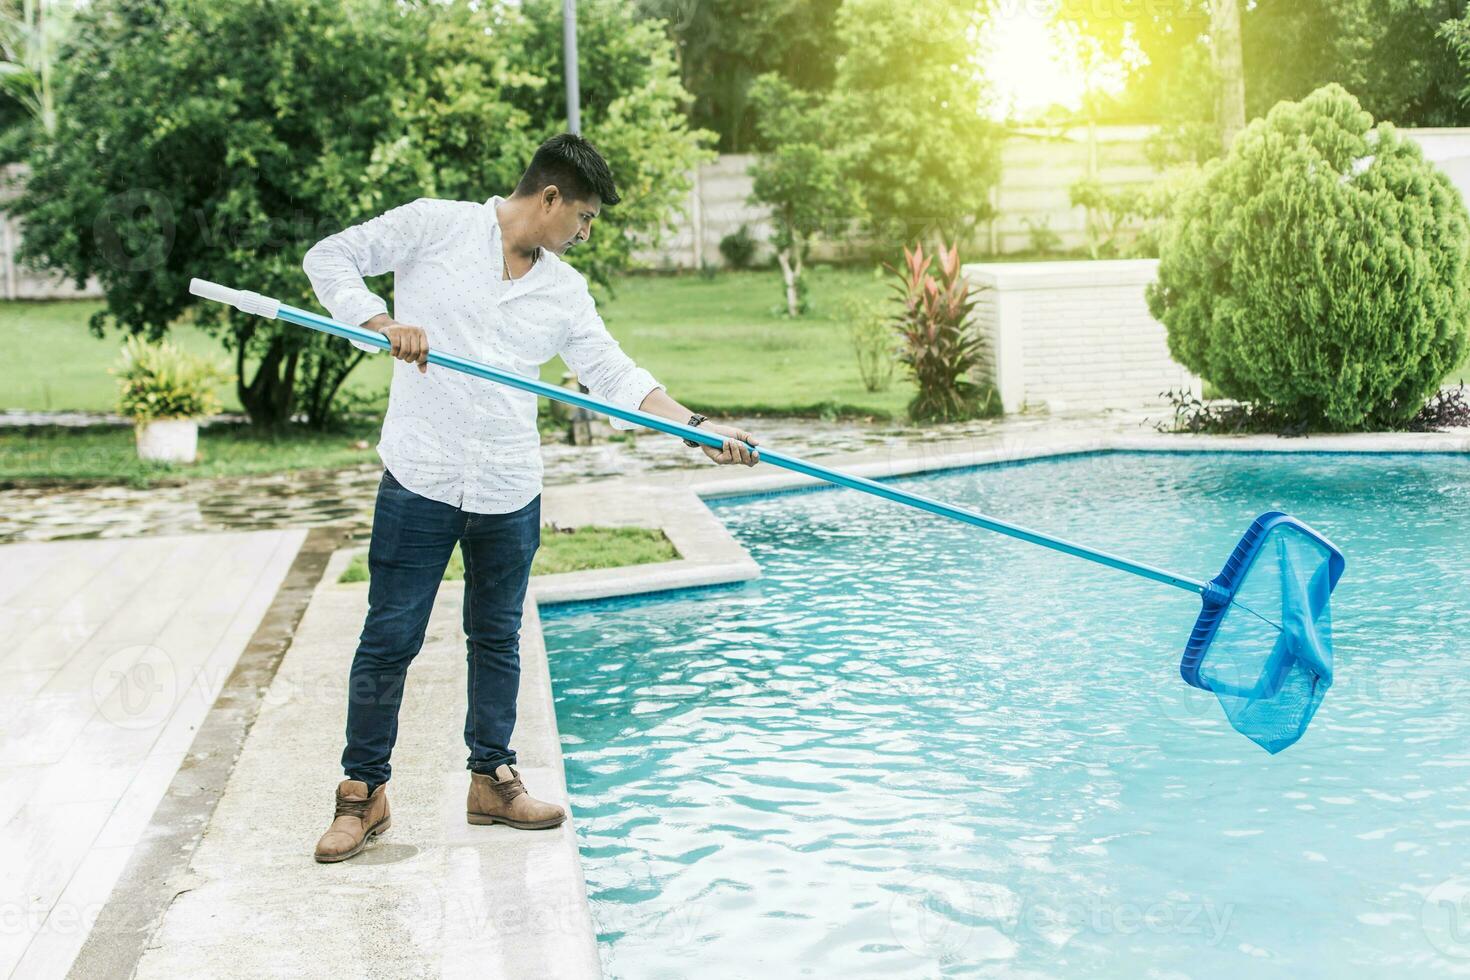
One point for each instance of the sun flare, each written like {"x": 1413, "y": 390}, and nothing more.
{"x": 1033, "y": 64}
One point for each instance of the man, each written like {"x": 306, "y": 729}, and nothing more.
{"x": 462, "y": 455}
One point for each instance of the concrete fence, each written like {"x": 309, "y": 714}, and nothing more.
{"x": 1073, "y": 336}
{"x": 1032, "y": 201}
{"x": 18, "y": 281}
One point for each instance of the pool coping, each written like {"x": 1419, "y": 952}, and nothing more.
{"x": 675, "y": 501}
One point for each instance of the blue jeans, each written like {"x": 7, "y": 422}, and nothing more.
{"x": 413, "y": 538}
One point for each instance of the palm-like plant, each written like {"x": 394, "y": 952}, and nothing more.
{"x": 28, "y": 40}
{"x": 938, "y": 347}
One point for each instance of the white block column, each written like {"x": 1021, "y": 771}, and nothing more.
{"x": 1073, "y": 336}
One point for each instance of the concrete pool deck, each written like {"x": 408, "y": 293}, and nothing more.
{"x": 434, "y": 896}
{"x": 116, "y": 653}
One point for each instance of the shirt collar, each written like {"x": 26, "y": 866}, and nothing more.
{"x": 495, "y": 240}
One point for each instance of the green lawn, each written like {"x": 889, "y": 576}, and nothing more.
{"x": 564, "y": 550}
{"x": 41, "y": 455}
{"x": 723, "y": 346}
{"x": 718, "y": 344}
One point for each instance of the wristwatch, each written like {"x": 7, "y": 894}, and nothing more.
{"x": 694, "y": 421}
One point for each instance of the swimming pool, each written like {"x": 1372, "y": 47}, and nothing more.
{"x": 916, "y": 749}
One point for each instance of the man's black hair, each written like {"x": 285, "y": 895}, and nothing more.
{"x": 574, "y": 166}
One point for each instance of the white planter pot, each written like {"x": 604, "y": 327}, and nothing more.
{"x": 168, "y": 440}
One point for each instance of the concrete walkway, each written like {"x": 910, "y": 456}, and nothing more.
{"x": 432, "y": 897}
{"x": 114, "y": 652}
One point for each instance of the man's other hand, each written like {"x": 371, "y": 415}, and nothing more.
{"x": 734, "y": 451}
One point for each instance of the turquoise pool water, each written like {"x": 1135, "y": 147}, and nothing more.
{"x": 918, "y": 749}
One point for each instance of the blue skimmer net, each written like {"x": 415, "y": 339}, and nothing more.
{"x": 1263, "y": 642}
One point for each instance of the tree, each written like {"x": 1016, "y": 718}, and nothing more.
{"x": 1319, "y": 269}
{"x": 1229, "y": 70}
{"x": 908, "y": 97}
{"x": 633, "y": 109}
{"x": 1190, "y": 78}
{"x": 29, "y": 36}
{"x": 802, "y": 180}
{"x": 175, "y": 157}
{"x": 722, "y": 46}
{"x": 1392, "y": 55}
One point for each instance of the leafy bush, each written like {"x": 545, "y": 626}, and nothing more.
{"x": 938, "y": 346}
{"x": 800, "y": 178}
{"x": 904, "y": 100}
{"x": 1043, "y": 241}
{"x": 1448, "y": 409}
{"x": 738, "y": 248}
{"x": 1319, "y": 269}
{"x": 162, "y": 381}
{"x": 1194, "y": 415}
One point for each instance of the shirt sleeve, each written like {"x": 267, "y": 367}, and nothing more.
{"x": 336, "y": 264}
{"x": 599, "y": 362}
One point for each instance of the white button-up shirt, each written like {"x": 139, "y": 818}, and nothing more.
{"x": 448, "y": 436}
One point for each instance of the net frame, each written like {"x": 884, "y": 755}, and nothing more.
{"x": 1290, "y": 649}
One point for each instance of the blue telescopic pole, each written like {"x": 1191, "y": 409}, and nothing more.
{"x": 250, "y": 302}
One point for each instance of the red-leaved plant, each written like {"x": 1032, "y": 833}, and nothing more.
{"x": 938, "y": 345}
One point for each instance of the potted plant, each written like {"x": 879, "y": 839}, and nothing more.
{"x": 165, "y": 391}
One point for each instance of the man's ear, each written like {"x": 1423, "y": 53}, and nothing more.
{"x": 550, "y": 194}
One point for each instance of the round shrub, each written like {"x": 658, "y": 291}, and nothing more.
{"x": 1318, "y": 269}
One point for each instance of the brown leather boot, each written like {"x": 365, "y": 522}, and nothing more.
{"x": 358, "y": 819}
{"x": 502, "y": 799}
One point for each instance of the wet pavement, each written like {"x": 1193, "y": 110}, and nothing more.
{"x": 345, "y": 497}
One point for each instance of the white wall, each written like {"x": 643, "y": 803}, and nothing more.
{"x": 1038, "y": 168}
{"x": 1073, "y": 336}
{"x": 1450, "y": 150}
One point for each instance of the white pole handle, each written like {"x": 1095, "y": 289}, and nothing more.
{"x": 241, "y": 299}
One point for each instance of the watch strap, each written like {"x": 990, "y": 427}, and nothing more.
{"x": 694, "y": 420}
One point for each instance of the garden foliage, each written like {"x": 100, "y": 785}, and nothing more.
{"x": 222, "y": 140}
{"x": 163, "y": 381}
{"x": 938, "y": 344}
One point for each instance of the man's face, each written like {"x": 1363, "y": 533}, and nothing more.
{"x": 569, "y": 222}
